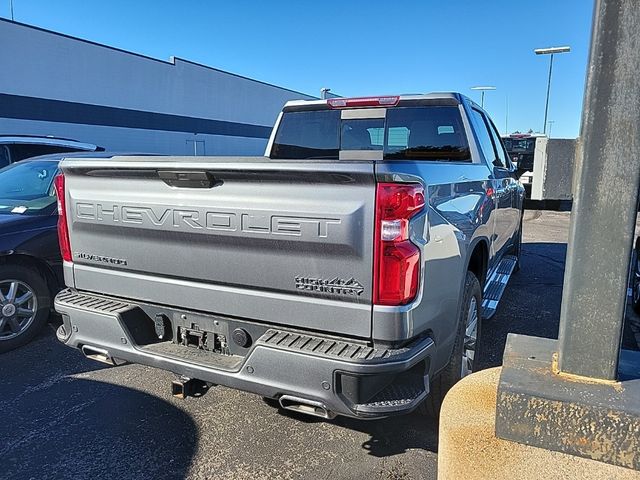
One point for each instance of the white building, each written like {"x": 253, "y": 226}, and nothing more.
{"x": 54, "y": 84}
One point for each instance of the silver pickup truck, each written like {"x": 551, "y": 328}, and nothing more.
{"x": 346, "y": 272}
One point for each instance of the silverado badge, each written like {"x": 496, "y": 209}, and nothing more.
{"x": 337, "y": 285}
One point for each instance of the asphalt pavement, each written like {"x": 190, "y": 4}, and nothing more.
{"x": 64, "y": 416}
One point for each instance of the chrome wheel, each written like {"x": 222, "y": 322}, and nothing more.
{"x": 470, "y": 338}
{"x": 18, "y": 308}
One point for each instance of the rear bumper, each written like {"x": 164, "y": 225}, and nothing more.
{"x": 345, "y": 377}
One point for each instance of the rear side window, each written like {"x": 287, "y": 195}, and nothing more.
{"x": 426, "y": 133}
{"x": 407, "y": 133}
{"x": 308, "y": 135}
{"x": 502, "y": 154}
{"x": 20, "y": 151}
{"x": 484, "y": 137}
{"x": 4, "y": 156}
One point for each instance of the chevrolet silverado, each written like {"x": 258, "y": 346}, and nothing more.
{"x": 346, "y": 272}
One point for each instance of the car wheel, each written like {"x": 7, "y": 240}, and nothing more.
{"x": 25, "y": 304}
{"x": 464, "y": 356}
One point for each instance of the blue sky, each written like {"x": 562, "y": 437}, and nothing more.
{"x": 358, "y": 47}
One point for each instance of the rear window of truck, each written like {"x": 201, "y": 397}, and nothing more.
{"x": 433, "y": 133}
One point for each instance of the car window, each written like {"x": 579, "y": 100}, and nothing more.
{"x": 308, "y": 135}
{"x": 362, "y": 134}
{"x": 20, "y": 151}
{"x": 502, "y": 154}
{"x": 4, "y": 156}
{"x": 426, "y": 133}
{"x": 434, "y": 133}
{"x": 25, "y": 187}
{"x": 484, "y": 137}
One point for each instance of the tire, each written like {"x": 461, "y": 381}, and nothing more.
{"x": 454, "y": 371}
{"x": 23, "y": 290}
{"x": 516, "y": 248}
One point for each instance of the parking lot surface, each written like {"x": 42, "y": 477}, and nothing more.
{"x": 68, "y": 417}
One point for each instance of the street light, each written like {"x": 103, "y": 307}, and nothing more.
{"x": 549, "y": 51}
{"x": 482, "y": 89}
{"x": 550, "y": 123}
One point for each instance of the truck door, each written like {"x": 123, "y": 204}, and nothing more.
{"x": 500, "y": 179}
{"x": 509, "y": 174}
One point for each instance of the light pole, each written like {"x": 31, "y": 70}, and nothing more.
{"x": 506, "y": 115}
{"x": 482, "y": 89}
{"x": 549, "y": 51}
{"x": 550, "y": 123}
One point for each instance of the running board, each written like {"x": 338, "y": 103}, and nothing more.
{"x": 496, "y": 286}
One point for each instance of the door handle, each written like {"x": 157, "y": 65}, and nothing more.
{"x": 188, "y": 179}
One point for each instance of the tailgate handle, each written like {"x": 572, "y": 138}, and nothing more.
{"x": 188, "y": 179}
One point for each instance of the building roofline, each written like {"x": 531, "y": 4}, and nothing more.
{"x": 171, "y": 60}
{"x": 208, "y": 67}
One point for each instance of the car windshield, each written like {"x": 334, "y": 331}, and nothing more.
{"x": 26, "y": 188}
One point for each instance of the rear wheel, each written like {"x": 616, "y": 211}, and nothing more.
{"x": 465, "y": 350}
{"x": 25, "y": 303}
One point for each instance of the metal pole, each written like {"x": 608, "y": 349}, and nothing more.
{"x": 482, "y": 99}
{"x": 506, "y": 116}
{"x": 546, "y": 105}
{"x": 605, "y": 198}
{"x": 11, "y": 8}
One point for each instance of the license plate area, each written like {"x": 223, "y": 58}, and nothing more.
{"x": 201, "y": 333}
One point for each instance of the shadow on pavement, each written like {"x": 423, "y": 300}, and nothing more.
{"x": 80, "y": 428}
{"x": 395, "y": 435}
{"x": 531, "y": 303}
{"x": 58, "y": 425}
{"x": 389, "y": 436}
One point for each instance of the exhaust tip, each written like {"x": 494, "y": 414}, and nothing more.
{"x": 97, "y": 354}
{"x": 303, "y": 405}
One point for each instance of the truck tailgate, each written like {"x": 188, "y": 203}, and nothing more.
{"x": 279, "y": 242}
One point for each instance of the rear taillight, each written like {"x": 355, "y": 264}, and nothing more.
{"x": 63, "y": 229}
{"x": 396, "y": 259}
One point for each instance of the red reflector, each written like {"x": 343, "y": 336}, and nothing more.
{"x": 363, "y": 102}
{"x": 397, "y": 260}
{"x": 63, "y": 230}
